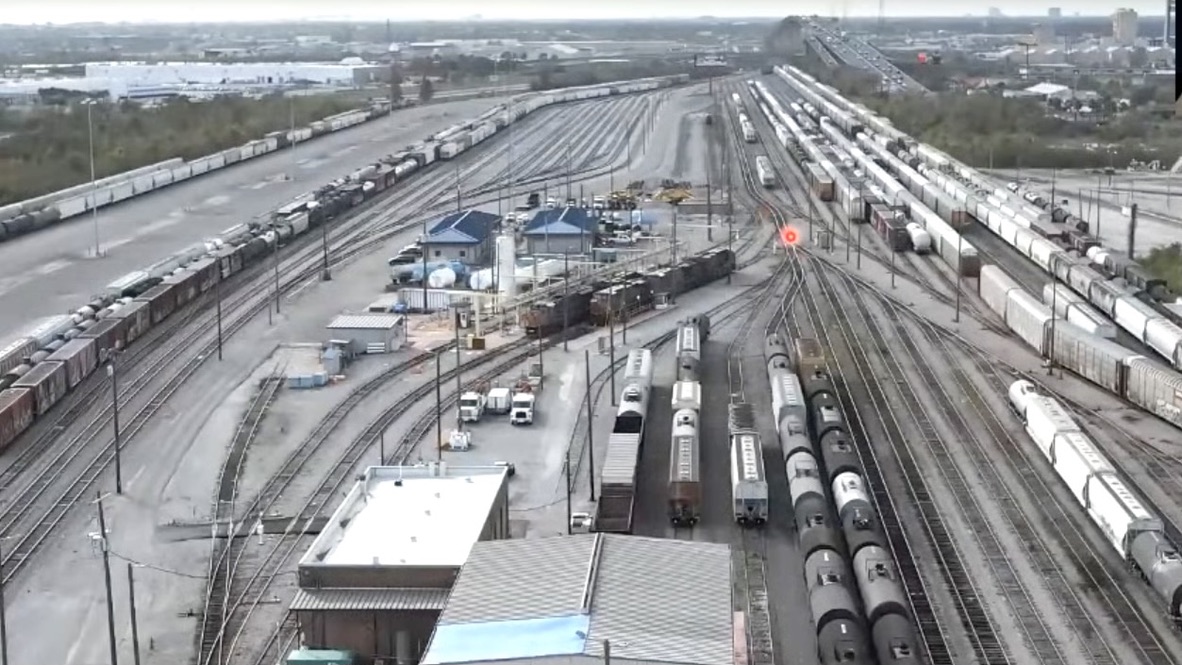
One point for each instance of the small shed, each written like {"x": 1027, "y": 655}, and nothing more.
{"x": 466, "y": 236}
{"x": 370, "y": 333}
{"x": 561, "y": 231}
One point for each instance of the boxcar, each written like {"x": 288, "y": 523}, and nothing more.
{"x": 161, "y": 300}
{"x": 187, "y": 287}
{"x": 16, "y": 414}
{"x": 107, "y": 335}
{"x": 80, "y": 357}
{"x": 47, "y": 381}
{"x": 138, "y": 319}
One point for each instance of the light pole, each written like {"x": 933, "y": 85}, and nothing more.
{"x": 93, "y": 178}
{"x": 113, "y": 354}
{"x": 102, "y": 540}
{"x": 959, "y": 272}
{"x": 135, "y": 627}
{"x": 3, "y": 617}
{"x": 325, "y": 276}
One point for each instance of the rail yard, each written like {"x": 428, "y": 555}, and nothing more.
{"x": 932, "y": 417}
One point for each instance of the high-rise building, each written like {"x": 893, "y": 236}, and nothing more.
{"x": 1055, "y": 12}
{"x": 1124, "y": 27}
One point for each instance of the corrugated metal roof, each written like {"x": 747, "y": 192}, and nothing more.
{"x": 643, "y": 600}
{"x": 371, "y": 321}
{"x": 488, "y": 590}
{"x": 369, "y": 599}
{"x": 466, "y": 226}
{"x": 561, "y": 221}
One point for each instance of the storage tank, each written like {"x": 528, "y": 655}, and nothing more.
{"x": 442, "y": 278}
{"x": 506, "y": 267}
{"x": 482, "y": 280}
{"x": 920, "y": 239}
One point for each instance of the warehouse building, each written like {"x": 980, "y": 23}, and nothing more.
{"x": 561, "y": 231}
{"x": 256, "y": 73}
{"x": 376, "y": 578}
{"x": 468, "y": 236}
{"x": 558, "y": 600}
{"x": 370, "y": 332}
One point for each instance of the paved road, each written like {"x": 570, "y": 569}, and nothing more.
{"x": 52, "y": 271}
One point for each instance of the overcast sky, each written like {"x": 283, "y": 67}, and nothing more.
{"x": 74, "y": 11}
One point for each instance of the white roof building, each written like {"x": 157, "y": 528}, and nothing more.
{"x": 259, "y": 73}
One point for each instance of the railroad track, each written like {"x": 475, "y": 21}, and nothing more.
{"x": 88, "y": 463}
{"x": 927, "y": 620}
{"x": 246, "y": 597}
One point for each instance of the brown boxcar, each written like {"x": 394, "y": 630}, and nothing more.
{"x": 138, "y": 317}
{"x": 80, "y": 357}
{"x": 107, "y": 335}
{"x": 16, "y": 414}
{"x": 229, "y": 260}
{"x": 161, "y": 301}
{"x": 48, "y": 382}
{"x": 187, "y": 287}
{"x": 810, "y": 355}
{"x": 207, "y": 273}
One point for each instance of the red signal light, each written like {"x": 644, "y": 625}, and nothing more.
{"x": 788, "y": 235}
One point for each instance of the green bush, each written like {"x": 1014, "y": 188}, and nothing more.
{"x": 49, "y": 149}
{"x": 1165, "y": 263}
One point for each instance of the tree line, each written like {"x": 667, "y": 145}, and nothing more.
{"x": 48, "y": 149}
{"x": 992, "y": 131}
{"x": 1165, "y": 263}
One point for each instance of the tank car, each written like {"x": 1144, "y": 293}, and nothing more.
{"x": 787, "y": 395}
{"x": 1161, "y": 566}
{"x": 793, "y": 438}
{"x": 861, "y": 527}
{"x": 689, "y": 352}
{"x": 774, "y": 348}
{"x": 804, "y": 478}
{"x": 843, "y": 642}
{"x": 814, "y": 527}
{"x": 878, "y": 582}
{"x": 826, "y": 416}
{"x": 830, "y": 595}
{"x": 838, "y": 454}
{"x": 848, "y": 489}
{"x": 894, "y": 641}
{"x": 815, "y": 382}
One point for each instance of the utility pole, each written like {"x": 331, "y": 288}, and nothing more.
{"x": 1054, "y": 315}
{"x": 611, "y": 346}
{"x": 102, "y": 537}
{"x": 218, "y": 297}
{"x": 439, "y": 403}
{"x": 591, "y": 422}
{"x": 325, "y": 276}
{"x": 459, "y": 196}
{"x": 569, "y": 481}
{"x": 1132, "y": 229}
{"x": 3, "y": 616}
{"x": 135, "y": 628}
{"x": 959, "y": 273}
{"x": 568, "y": 174}
{"x": 93, "y": 183}
{"x": 459, "y": 382}
{"x": 565, "y": 298}
{"x": 423, "y": 247}
{"x": 114, "y": 353}
{"x": 860, "y": 246}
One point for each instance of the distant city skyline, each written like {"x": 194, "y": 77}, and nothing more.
{"x": 25, "y": 12}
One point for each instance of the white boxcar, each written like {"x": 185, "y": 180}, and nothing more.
{"x": 639, "y": 367}
{"x": 687, "y": 395}
{"x": 1028, "y": 318}
{"x": 1152, "y": 386}
{"x": 787, "y": 397}
{"x": 1118, "y": 512}
{"x": 1085, "y": 316}
{"x": 749, "y": 490}
{"x": 1045, "y": 419}
{"x": 1165, "y": 337}
{"x": 1133, "y": 315}
{"x": 1077, "y": 461}
{"x": 995, "y": 286}
{"x": 1058, "y": 297}
{"x": 1098, "y": 360}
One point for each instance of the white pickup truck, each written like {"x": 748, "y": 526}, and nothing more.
{"x": 522, "y": 412}
{"x": 471, "y": 407}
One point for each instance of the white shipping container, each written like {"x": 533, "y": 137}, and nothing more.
{"x": 1085, "y": 316}
{"x": 995, "y": 286}
{"x": 182, "y": 173}
{"x": 1118, "y": 512}
{"x": 199, "y": 166}
{"x": 1060, "y": 301}
{"x": 121, "y": 192}
{"x": 437, "y": 299}
{"x": 1045, "y": 420}
{"x": 143, "y": 184}
{"x": 1155, "y": 388}
{"x": 1104, "y": 295}
{"x": 1077, "y": 460}
{"x": 1043, "y": 251}
{"x": 162, "y": 179}
{"x": 1132, "y": 315}
{"x": 1165, "y": 337}
{"x": 72, "y": 207}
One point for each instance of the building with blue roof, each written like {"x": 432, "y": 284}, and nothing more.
{"x": 468, "y": 236}
{"x": 561, "y": 231}
{"x": 550, "y": 600}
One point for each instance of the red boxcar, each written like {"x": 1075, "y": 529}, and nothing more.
{"x": 80, "y": 356}
{"x": 16, "y": 414}
{"x": 161, "y": 300}
{"x": 188, "y": 287}
{"x": 107, "y": 335}
{"x": 138, "y": 317}
{"x": 48, "y": 382}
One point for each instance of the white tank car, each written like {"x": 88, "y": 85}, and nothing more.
{"x": 804, "y": 478}
{"x": 847, "y": 488}
{"x": 749, "y": 490}
{"x": 639, "y": 367}
{"x": 921, "y": 240}
{"x": 687, "y": 395}
{"x": 1020, "y": 393}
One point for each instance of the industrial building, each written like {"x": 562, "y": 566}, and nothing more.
{"x": 370, "y": 332}
{"x": 376, "y": 578}
{"x": 553, "y": 600}
{"x": 560, "y": 231}
{"x": 1124, "y": 27}
{"x": 467, "y": 236}
{"x": 350, "y": 73}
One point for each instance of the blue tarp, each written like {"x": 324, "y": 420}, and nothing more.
{"x": 505, "y": 640}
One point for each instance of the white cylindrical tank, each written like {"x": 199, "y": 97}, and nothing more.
{"x": 482, "y": 280}
{"x": 506, "y": 276}
{"x": 442, "y": 278}
{"x": 920, "y": 239}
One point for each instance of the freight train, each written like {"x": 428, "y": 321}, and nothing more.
{"x": 1128, "y": 526}
{"x": 749, "y": 491}
{"x": 1115, "y": 287}
{"x": 617, "y": 480}
{"x": 634, "y": 293}
{"x": 134, "y": 303}
{"x": 685, "y": 472}
{"x": 34, "y": 214}
{"x": 835, "y": 534}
